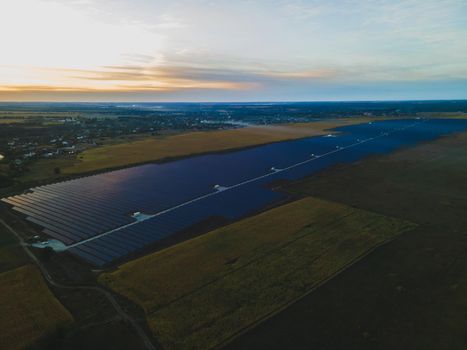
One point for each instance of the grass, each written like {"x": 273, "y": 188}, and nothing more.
{"x": 159, "y": 148}
{"x": 7, "y": 256}
{"x": 11, "y": 120}
{"x": 29, "y": 309}
{"x": 11, "y": 254}
{"x": 201, "y": 292}
{"x": 408, "y": 294}
{"x": 6, "y": 238}
{"x": 45, "y": 169}
{"x": 414, "y": 183}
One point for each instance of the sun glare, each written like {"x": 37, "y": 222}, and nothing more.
{"x": 41, "y": 44}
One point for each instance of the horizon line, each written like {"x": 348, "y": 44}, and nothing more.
{"x": 236, "y": 102}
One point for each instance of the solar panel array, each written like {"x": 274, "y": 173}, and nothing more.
{"x": 92, "y": 215}
{"x": 122, "y": 242}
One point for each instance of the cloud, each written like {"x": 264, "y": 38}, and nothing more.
{"x": 312, "y": 74}
{"x": 427, "y": 22}
{"x": 304, "y": 10}
{"x": 42, "y": 88}
{"x": 134, "y": 78}
{"x": 168, "y": 21}
{"x": 170, "y": 81}
{"x": 231, "y": 47}
{"x": 164, "y": 77}
{"x": 50, "y": 33}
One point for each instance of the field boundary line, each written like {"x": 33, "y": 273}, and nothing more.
{"x": 247, "y": 264}
{"x": 273, "y": 313}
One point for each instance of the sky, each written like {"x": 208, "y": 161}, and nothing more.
{"x": 225, "y": 50}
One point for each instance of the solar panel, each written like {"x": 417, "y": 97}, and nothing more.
{"x": 50, "y": 215}
{"x": 92, "y": 214}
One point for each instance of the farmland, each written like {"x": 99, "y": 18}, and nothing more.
{"x": 11, "y": 254}
{"x": 253, "y": 284}
{"x": 201, "y": 292}
{"x": 29, "y": 309}
{"x": 11, "y": 120}
{"x": 410, "y": 293}
{"x": 175, "y": 146}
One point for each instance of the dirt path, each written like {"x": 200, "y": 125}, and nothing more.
{"x": 118, "y": 309}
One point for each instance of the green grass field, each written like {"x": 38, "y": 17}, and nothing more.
{"x": 29, "y": 310}
{"x": 199, "y": 293}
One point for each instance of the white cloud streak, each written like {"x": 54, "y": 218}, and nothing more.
{"x": 263, "y": 44}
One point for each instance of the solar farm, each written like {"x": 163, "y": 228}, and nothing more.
{"x": 105, "y": 217}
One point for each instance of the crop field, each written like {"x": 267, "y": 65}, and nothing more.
{"x": 11, "y": 254}
{"x": 11, "y": 120}
{"x": 202, "y": 292}
{"x": 5, "y": 238}
{"x": 153, "y": 149}
{"x": 410, "y": 293}
{"x": 44, "y": 169}
{"x": 423, "y": 180}
{"x": 29, "y": 309}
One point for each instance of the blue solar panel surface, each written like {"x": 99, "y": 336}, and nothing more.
{"x": 93, "y": 215}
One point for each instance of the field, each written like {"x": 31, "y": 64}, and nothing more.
{"x": 153, "y": 149}
{"x": 11, "y": 254}
{"x": 11, "y": 120}
{"x": 29, "y": 309}
{"x": 43, "y": 169}
{"x": 410, "y": 293}
{"x": 202, "y": 292}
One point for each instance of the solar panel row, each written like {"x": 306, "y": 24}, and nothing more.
{"x": 115, "y": 245}
{"x": 92, "y": 215}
